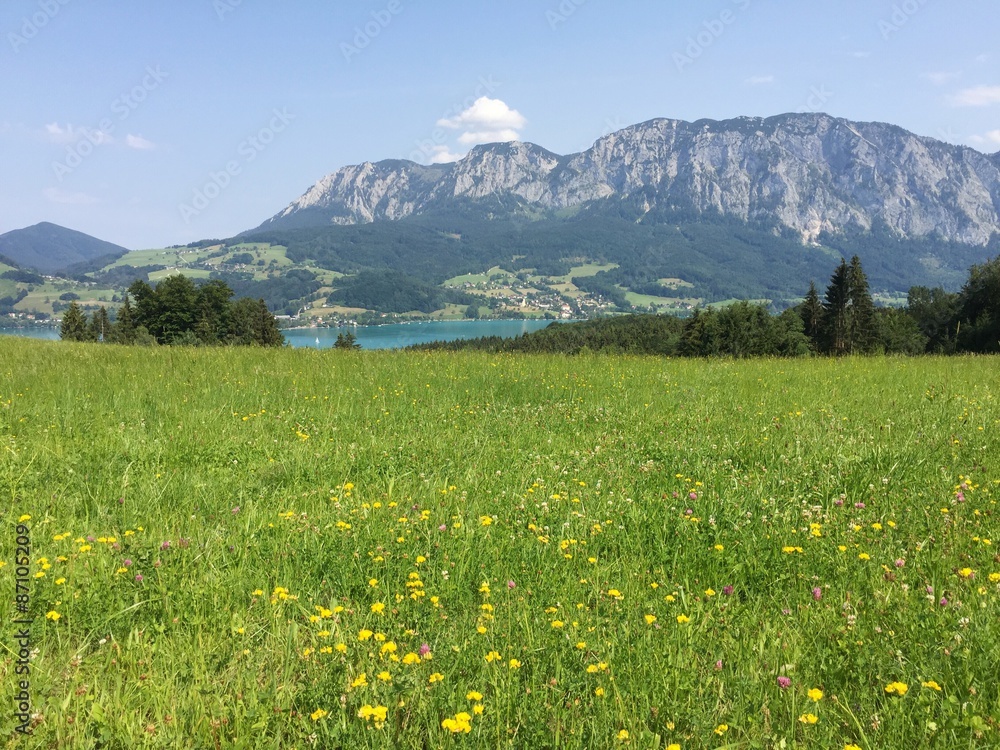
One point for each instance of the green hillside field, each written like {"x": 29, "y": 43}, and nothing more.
{"x": 291, "y": 548}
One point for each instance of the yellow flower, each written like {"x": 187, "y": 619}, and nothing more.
{"x": 473, "y": 695}
{"x": 485, "y": 521}
{"x": 378, "y": 608}
{"x": 364, "y": 635}
{"x": 52, "y": 615}
{"x": 899, "y": 688}
{"x": 966, "y": 572}
{"x": 851, "y": 747}
{"x": 341, "y": 648}
{"x": 373, "y": 582}
{"x": 650, "y": 619}
{"x": 258, "y": 592}
{"x": 24, "y": 518}
{"x": 683, "y": 619}
{"x": 461, "y": 723}
{"x": 718, "y": 548}
{"x": 360, "y": 681}
{"x": 493, "y": 656}
{"x": 436, "y": 677}
{"x": 615, "y": 593}
{"x": 514, "y": 664}
{"x": 721, "y": 729}
{"x": 808, "y": 718}
{"x": 85, "y": 548}
{"x": 623, "y": 735}
{"x": 318, "y": 714}
{"x": 374, "y": 713}
{"x": 388, "y": 648}
{"x": 994, "y": 577}
{"x": 478, "y": 709}
{"x": 932, "y": 685}
{"x": 599, "y": 692}
{"x": 864, "y": 556}
{"x": 816, "y": 695}
{"x": 384, "y": 676}
{"x": 581, "y": 645}
{"x": 557, "y": 623}
{"x": 410, "y": 659}
{"x": 709, "y": 593}
{"x": 60, "y": 581}
{"x": 673, "y": 746}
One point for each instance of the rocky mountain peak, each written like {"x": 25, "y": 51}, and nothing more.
{"x": 809, "y": 172}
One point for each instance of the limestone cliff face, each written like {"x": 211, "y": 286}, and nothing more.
{"x": 808, "y": 172}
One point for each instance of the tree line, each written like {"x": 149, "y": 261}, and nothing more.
{"x": 843, "y": 321}
{"x": 179, "y": 312}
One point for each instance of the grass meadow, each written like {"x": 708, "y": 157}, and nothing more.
{"x": 294, "y": 549}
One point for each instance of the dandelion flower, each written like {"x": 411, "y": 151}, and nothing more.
{"x": 815, "y": 694}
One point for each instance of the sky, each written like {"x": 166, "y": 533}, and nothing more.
{"x": 159, "y": 123}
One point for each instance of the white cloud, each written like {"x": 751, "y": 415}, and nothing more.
{"x": 138, "y": 142}
{"x": 443, "y": 155}
{"x": 990, "y": 139}
{"x": 861, "y": 55}
{"x": 55, "y": 195}
{"x": 941, "y": 78}
{"x": 486, "y": 121}
{"x": 760, "y": 80}
{"x": 978, "y": 96}
{"x": 472, "y": 137}
{"x": 69, "y": 134}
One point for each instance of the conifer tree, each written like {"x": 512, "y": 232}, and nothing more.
{"x": 835, "y": 326}
{"x": 100, "y": 326}
{"x": 267, "y": 331}
{"x": 123, "y": 332}
{"x": 812, "y": 315}
{"x": 74, "y": 324}
{"x": 862, "y": 323}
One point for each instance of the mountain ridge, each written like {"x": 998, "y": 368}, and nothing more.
{"x": 811, "y": 173}
{"x": 50, "y": 248}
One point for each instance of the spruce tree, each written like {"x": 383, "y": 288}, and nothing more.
{"x": 267, "y": 332}
{"x": 123, "y": 331}
{"x": 74, "y": 324}
{"x": 100, "y": 326}
{"x": 812, "y": 315}
{"x": 862, "y": 324}
{"x": 835, "y": 326}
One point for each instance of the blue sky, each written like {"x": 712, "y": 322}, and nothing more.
{"x": 155, "y": 123}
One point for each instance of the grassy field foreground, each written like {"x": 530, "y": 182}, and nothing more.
{"x": 274, "y": 549}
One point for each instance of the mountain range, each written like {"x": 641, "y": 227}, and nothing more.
{"x": 812, "y": 174}
{"x": 661, "y": 215}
